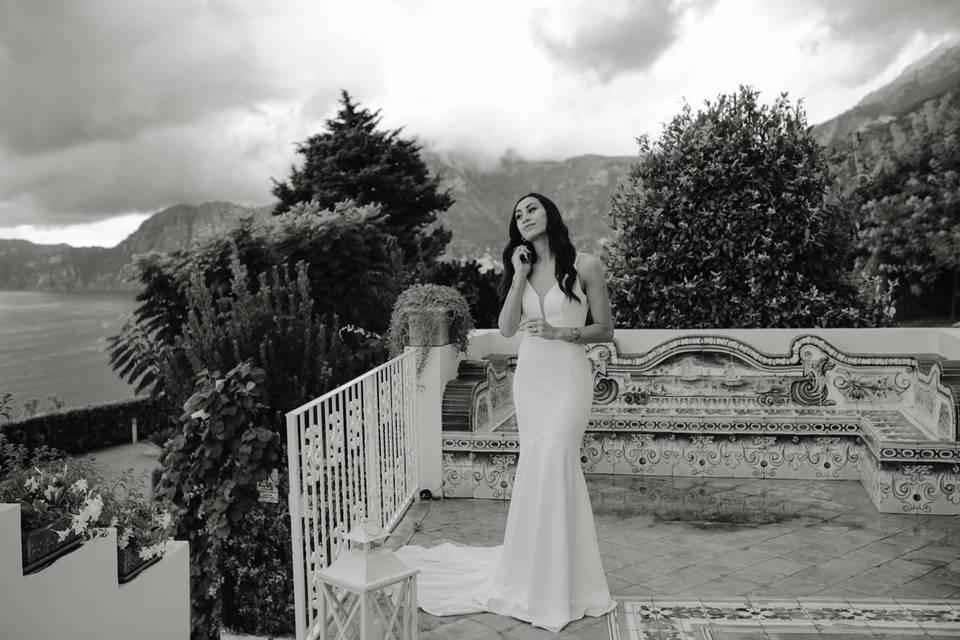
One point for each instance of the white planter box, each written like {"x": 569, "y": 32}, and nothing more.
{"x": 78, "y": 596}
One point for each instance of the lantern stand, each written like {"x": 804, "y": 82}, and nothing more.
{"x": 377, "y": 597}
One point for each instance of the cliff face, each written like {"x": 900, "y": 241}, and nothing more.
{"x": 932, "y": 75}
{"x": 28, "y": 266}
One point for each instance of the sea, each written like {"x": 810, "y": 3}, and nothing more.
{"x": 53, "y": 344}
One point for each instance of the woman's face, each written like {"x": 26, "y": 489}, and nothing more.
{"x": 531, "y": 218}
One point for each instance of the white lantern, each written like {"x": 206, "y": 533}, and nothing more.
{"x": 367, "y": 592}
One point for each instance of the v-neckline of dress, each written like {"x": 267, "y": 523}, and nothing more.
{"x": 537, "y": 293}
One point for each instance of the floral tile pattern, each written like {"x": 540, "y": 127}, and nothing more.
{"x": 788, "y": 618}
{"x": 483, "y": 465}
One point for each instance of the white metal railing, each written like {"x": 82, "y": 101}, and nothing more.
{"x": 352, "y": 457}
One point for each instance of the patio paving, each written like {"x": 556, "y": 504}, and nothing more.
{"x": 704, "y": 539}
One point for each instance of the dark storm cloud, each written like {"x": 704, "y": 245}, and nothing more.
{"x": 80, "y": 71}
{"x": 108, "y": 107}
{"x": 607, "y": 40}
{"x": 879, "y": 29}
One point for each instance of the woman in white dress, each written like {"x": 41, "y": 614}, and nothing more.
{"x": 548, "y": 571}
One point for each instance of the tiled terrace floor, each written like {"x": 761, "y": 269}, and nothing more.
{"x": 702, "y": 540}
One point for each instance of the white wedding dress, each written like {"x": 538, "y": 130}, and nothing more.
{"x": 548, "y": 571}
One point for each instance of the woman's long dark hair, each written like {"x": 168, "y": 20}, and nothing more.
{"x": 558, "y": 238}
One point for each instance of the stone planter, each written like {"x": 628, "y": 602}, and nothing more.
{"x": 41, "y": 546}
{"x": 130, "y": 564}
{"x": 428, "y": 327}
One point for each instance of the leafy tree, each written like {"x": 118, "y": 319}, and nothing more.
{"x": 268, "y": 299}
{"x": 6, "y": 409}
{"x": 477, "y": 286}
{"x": 355, "y": 160}
{"x": 732, "y": 219}
{"x": 275, "y": 342}
{"x": 350, "y": 263}
{"x": 908, "y": 205}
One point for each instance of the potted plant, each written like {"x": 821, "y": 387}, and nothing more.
{"x": 58, "y": 508}
{"x": 429, "y": 315}
{"x": 144, "y": 526}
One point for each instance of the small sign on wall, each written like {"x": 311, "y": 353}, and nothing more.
{"x": 269, "y": 488}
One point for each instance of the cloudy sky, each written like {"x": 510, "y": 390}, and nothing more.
{"x": 112, "y": 110}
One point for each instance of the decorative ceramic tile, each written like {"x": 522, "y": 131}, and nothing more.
{"x": 715, "y": 407}
{"x": 786, "y": 618}
{"x": 722, "y": 456}
{"x": 472, "y": 475}
{"x": 912, "y": 488}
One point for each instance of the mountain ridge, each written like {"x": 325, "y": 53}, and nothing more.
{"x": 484, "y": 194}
{"x": 928, "y": 77}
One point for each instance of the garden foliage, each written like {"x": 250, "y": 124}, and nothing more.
{"x": 908, "y": 205}
{"x": 350, "y": 266}
{"x": 210, "y": 472}
{"x": 733, "y": 219}
{"x": 269, "y": 298}
{"x": 355, "y": 160}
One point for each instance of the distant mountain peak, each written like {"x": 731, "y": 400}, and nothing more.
{"x": 930, "y": 76}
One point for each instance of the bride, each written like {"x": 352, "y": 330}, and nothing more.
{"x": 548, "y": 570}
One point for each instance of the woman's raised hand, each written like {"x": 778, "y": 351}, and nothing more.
{"x": 521, "y": 260}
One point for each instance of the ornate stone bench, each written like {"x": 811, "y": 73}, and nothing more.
{"x": 713, "y": 406}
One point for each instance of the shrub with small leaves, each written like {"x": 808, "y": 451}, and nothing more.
{"x": 210, "y": 473}
{"x": 733, "y": 218}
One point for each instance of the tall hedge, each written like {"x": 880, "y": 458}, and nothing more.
{"x": 88, "y": 428}
{"x": 733, "y": 219}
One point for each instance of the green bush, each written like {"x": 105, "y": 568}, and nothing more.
{"x": 87, "y": 428}
{"x": 908, "y": 205}
{"x": 733, "y": 219}
{"x": 210, "y": 473}
{"x": 478, "y": 287}
{"x": 350, "y": 266}
{"x": 273, "y": 336}
{"x": 258, "y": 579}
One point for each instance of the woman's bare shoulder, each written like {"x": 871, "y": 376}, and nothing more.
{"x": 589, "y": 264}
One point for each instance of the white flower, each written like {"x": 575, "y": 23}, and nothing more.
{"x": 79, "y": 487}
{"x": 88, "y": 514}
{"x": 78, "y": 523}
{"x": 62, "y": 535}
{"x": 124, "y": 538}
{"x": 51, "y": 493}
{"x": 154, "y": 550}
{"x": 32, "y": 483}
{"x": 164, "y": 519}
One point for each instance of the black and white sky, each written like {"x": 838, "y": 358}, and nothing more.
{"x": 113, "y": 109}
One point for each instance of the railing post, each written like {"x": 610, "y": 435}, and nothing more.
{"x": 296, "y": 526}
{"x": 441, "y": 368}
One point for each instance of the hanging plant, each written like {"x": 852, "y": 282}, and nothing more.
{"x": 429, "y": 315}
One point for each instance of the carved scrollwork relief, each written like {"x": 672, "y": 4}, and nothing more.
{"x": 811, "y": 389}
{"x": 605, "y": 390}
